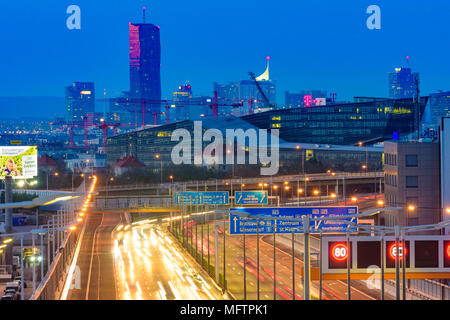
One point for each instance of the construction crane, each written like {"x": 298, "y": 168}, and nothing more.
{"x": 266, "y": 100}
{"x": 168, "y": 103}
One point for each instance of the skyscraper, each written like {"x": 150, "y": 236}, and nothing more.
{"x": 247, "y": 92}
{"x": 145, "y": 62}
{"x": 80, "y": 100}
{"x": 402, "y": 83}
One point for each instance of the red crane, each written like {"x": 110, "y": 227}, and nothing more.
{"x": 104, "y": 127}
{"x": 143, "y": 102}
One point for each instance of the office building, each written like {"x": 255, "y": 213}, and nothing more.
{"x": 80, "y": 101}
{"x": 439, "y": 107}
{"x": 342, "y": 123}
{"x": 412, "y": 182}
{"x": 145, "y": 63}
{"x": 305, "y": 98}
{"x": 246, "y": 91}
{"x": 403, "y": 83}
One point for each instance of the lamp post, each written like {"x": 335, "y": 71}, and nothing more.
{"x": 157, "y": 156}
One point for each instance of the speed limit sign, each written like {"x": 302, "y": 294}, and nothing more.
{"x": 339, "y": 252}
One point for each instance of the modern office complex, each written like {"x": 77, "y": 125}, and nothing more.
{"x": 438, "y": 107}
{"x": 246, "y": 91}
{"x": 305, "y": 98}
{"x": 186, "y": 106}
{"x": 403, "y": 83}
{"x": 80, "y": 101}
{"x": 342, "y": 124}
{"x": 145, "y": 63}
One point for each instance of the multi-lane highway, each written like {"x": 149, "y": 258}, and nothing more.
{"x": 150, "y": 265}
{"x": 95, "y": 259}
{"x": 119, "y": 260}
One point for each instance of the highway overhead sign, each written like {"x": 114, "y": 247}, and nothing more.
{"x": 202, "y": 197}
{"x": 267, "y": 224}
{"x": 250, "y": 197}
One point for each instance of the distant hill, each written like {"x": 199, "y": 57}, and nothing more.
{"x": 28, "y": 108}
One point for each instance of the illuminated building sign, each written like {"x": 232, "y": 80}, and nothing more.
{"x": 85, "y": 92}
{"x": 307, "y": 100}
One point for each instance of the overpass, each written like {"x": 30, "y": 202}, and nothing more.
{"x": 311, "y": 179}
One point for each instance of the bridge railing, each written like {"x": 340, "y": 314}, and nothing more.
{"x": 51, "y": 286}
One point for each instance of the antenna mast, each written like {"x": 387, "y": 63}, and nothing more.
{"x": 143, "y": 13}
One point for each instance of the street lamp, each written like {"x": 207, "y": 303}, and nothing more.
{"x": 55, "y": 174}
{"x": 157, "y": 156}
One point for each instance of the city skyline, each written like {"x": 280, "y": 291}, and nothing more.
{"x": 99, "y": 51}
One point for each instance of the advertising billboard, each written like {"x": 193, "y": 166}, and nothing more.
{"x": 20, "y": 162}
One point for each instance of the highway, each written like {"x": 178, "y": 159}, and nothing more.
{"x": 283, "y": 288}
{"x": 95, "y": 260}
{"x": 143, "y": 261}
{"x": 150, "y": 265}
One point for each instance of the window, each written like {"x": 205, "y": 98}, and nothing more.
{"x": 412, "y": 181}
{"x": 411, "y": 160}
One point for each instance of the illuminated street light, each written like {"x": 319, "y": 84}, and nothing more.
{"x": 411, "y": 207}
{"x": 316, "y": 192}
{"x": 300, "y": 190}
{"x": 354, "y": 199}
{"x": 72, "y": 228}
{"x": 380, "y": 202}
{"x": 364, "y": 167}
{"x": 275, "y": 187}
{"x": 333, "y": 195}
{"x": 448, "y": 210}
{"x": 286, "y": 182}
{"x": 8, "y": 240}
{"x": 286, "y": 188}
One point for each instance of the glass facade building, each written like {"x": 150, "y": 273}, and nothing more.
{"x": 80, "y": 101}
{"x": 145, "y": 63}
{"x": 342, "y": 124}
{"x": 402, "y": 83}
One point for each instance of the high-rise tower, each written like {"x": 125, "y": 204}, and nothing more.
{"x": 145, "y": 62}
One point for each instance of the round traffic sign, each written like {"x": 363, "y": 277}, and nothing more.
{"x": 339, "y": 252}
{"x": 393, "y": 251}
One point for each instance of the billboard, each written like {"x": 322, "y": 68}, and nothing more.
{"x": 18, "y": 162}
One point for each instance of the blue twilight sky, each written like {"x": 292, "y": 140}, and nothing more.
{"x": 313, "y": 45}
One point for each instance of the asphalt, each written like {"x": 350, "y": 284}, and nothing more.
{"x": 95, "y": 259}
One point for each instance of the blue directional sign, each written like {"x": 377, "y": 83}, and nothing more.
{"x": 250, "y": 197}
{"x": 208, "y": 198}
{"x": 267, "y": 226}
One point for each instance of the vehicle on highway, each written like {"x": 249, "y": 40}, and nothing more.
{"x": 13, "y": 285}
{"x": 18, "y": 279}
{"x": 10, "y": 296}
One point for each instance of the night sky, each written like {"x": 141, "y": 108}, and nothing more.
{"x": 313, "y": 45}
